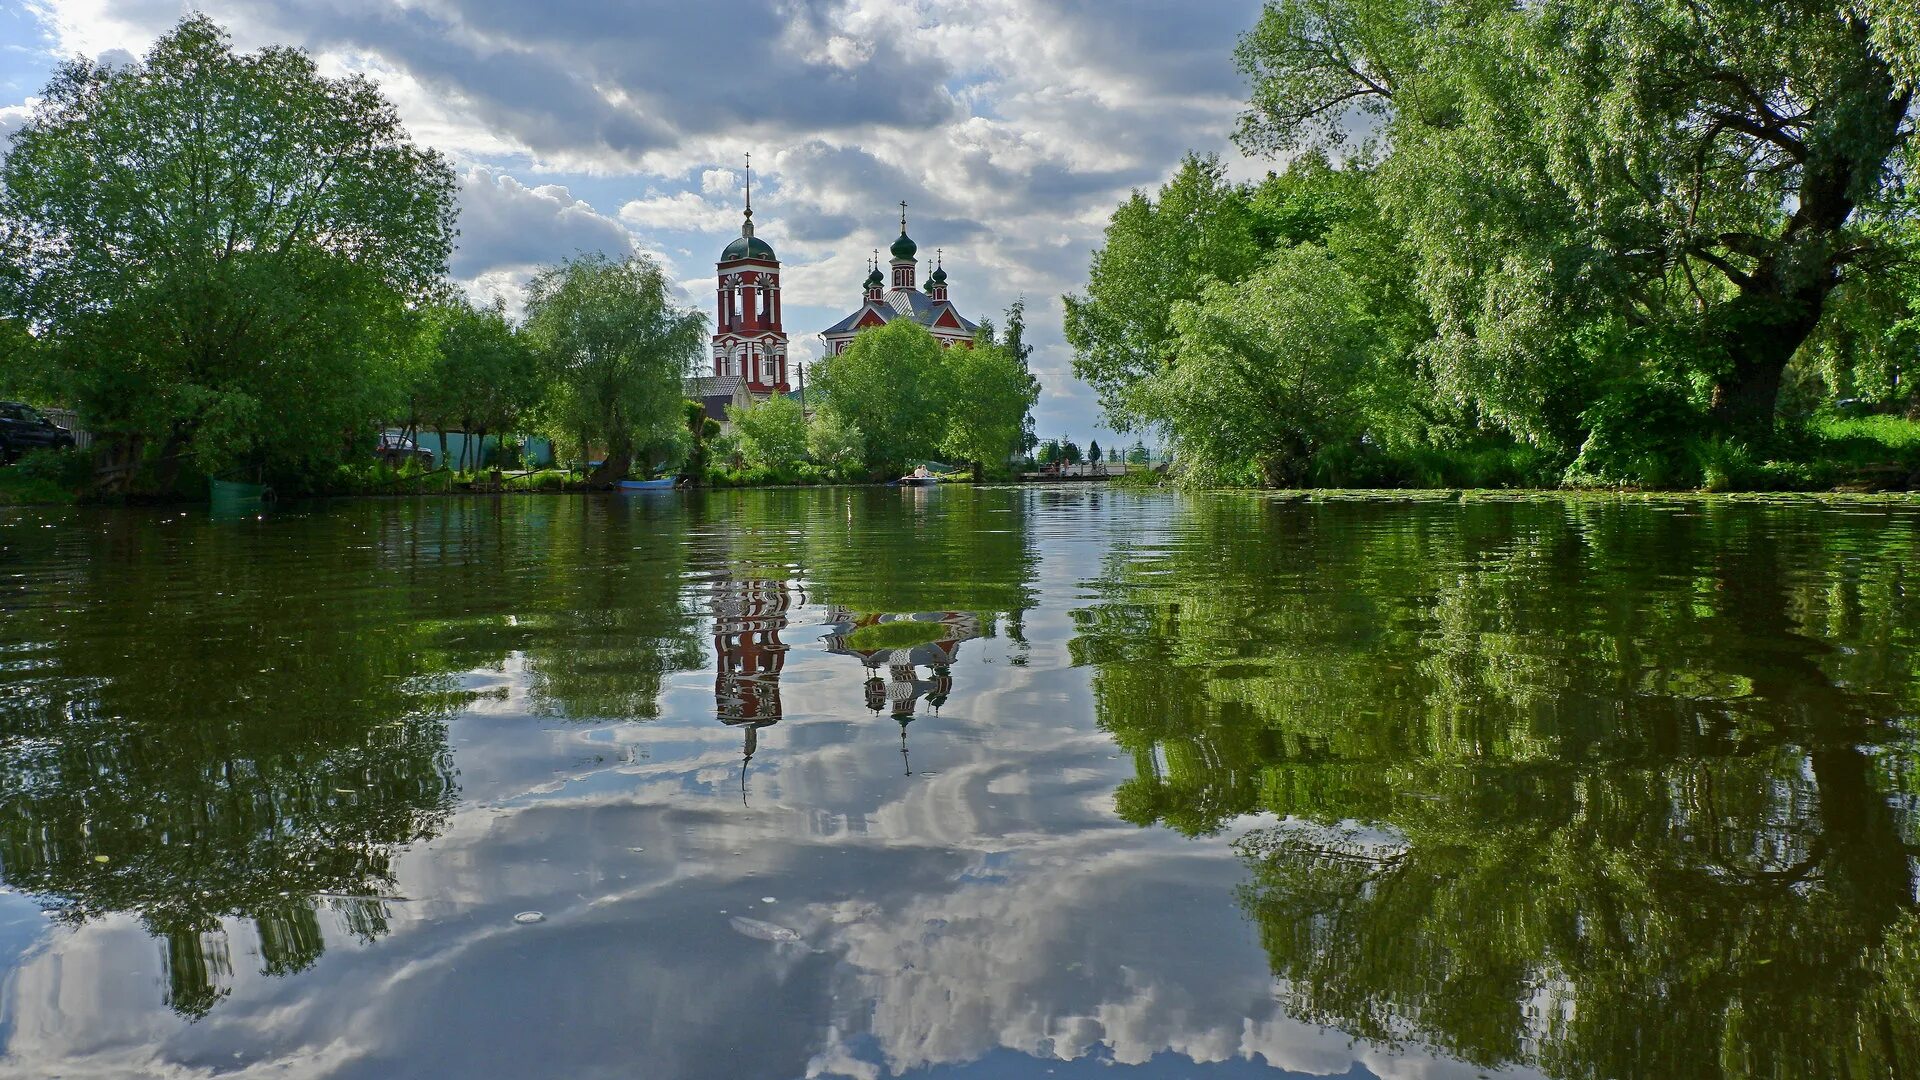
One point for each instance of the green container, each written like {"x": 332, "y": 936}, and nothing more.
{"x": 229, "y": 495}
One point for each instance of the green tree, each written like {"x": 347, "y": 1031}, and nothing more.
{"x": 221, "y": 247}
{"x": 836, "y": 445}
{"x": 19, "y": 358}
{"x": 1093, "y": 451}
{"x": 1138, "y": 454}
{"x": 1269, "y": 373}
{"x": 615, "y": 350}
{"x": 989, "y": 394}
{"x": 702, "y": 431}
{"x": 1049, "y": 452}
{"x": 1560, "y": 184}
{"x": 484, "y": 378}
{"x": 771, "y": 433}
{"x": 1016, "y": 343}
{"x": 1157, "y": 252}
{"x": 1070, "y": 452}
{"x": 892, "y": 384}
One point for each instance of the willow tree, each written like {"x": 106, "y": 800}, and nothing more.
{"x": 1684, "y": 183}
{"x": 615, "y": 349}
{"x": 218, "y": 249}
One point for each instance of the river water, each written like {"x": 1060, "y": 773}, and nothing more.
{"x": 996, "y": 783}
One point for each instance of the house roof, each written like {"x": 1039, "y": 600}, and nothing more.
{"x": 705, "y": 386}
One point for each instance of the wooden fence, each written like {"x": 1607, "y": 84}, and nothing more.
{"x": 70, "y": 420}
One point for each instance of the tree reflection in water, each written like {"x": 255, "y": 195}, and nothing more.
{"x": 1602, "y": 789}
{"x": 244, "y": 721}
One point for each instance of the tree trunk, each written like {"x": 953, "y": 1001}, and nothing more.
{"x": 612, "y": 470}
{"x": 1763, "y": 329}
{"x": 1782, "y": 299}
{"x": 166, "y": 465}
{"x": 979, "y": 473}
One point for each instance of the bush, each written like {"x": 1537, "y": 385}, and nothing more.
{"x": 69, "y": 470}
{"x": 1639, "y": 434}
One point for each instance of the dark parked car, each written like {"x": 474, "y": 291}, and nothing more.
{"x": 22, "y": 428}
{"x": 397, "y": 450}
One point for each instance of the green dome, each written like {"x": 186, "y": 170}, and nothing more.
{"x": 904, "y": 248}
{"x": 876, "y": 278}
{"x": 939, "y": 277}
{"x": 748, "y": 247}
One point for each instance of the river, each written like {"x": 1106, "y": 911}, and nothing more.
{"x": 996, "y": 783}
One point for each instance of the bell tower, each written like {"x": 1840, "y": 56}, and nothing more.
{"x": 748, "y": 339}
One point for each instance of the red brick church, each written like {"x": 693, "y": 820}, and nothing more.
{"x": 882, "y": 304}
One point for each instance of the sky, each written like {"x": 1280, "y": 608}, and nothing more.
{"x": 1012, "y": 128}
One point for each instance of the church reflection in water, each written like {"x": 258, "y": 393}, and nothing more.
{"x": 902, "y": 644}
{"x": 749, "y": 616}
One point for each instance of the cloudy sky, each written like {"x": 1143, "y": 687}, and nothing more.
{"x": 1011, "y": 127}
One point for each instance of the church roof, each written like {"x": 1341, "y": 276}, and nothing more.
{"x": 851, "y": 322}
{"x": 748, "y": 247}
{"x": 912, "y": 303}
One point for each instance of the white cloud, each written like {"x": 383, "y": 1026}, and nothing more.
{"x": 1012, "y": 126}
{"x": 680, "y": 211}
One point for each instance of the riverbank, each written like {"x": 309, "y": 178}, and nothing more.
{"x": 1523, "y": 495}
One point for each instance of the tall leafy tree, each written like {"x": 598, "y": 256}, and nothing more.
{"x": 836, "y": 445}
{"x": 772, "y": 433}
{"x": 219, "y": 248}
{"x": 1684, "y": 181}
{"x": 1267, "y": 375}
{"x": 615, "y": 350}
{"x": 891, "y": 383}
{"x": 1016, "y": 343}
{"x": 484, "y": 377}
{"x": 1158, "y": 252}
{"x": 989, "y": 394}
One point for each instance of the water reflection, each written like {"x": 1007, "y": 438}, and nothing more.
{"x": 1604, "y": 791}
{"x": 748, "y": 617}
{"x": 902, "y": 644}
{"x": 1204, "y": 787}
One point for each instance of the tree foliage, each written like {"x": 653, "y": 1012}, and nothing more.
{"x": 1552, "y": 209}
{"x": 891, "y": 384}
{"x": 217, "y": 247}
{"x": 835, "y": 444}
{"x": 614, "y": 349}
{"x": 1267, "y": 374}
{"x": 482, "y": 376}
{"x": 771, "y": 433}
{"x": 1157, "y": 253}
{"x": 988, "y": 397}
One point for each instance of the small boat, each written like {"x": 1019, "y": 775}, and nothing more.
{"x": 663, "y": 484}
{"x": 919, "y": 477}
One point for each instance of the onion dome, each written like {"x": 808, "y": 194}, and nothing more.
{"x": 904, "y": 247}
{"x": 875, "y": 278}
{"x": 748, "y": 247}
{"x": 939, "y": 277}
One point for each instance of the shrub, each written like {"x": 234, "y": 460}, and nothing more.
{"x": 1638, "y": 433}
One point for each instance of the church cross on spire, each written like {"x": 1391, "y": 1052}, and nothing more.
{"x": 903, "y": 217}
{"x": 746, "y": 229}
